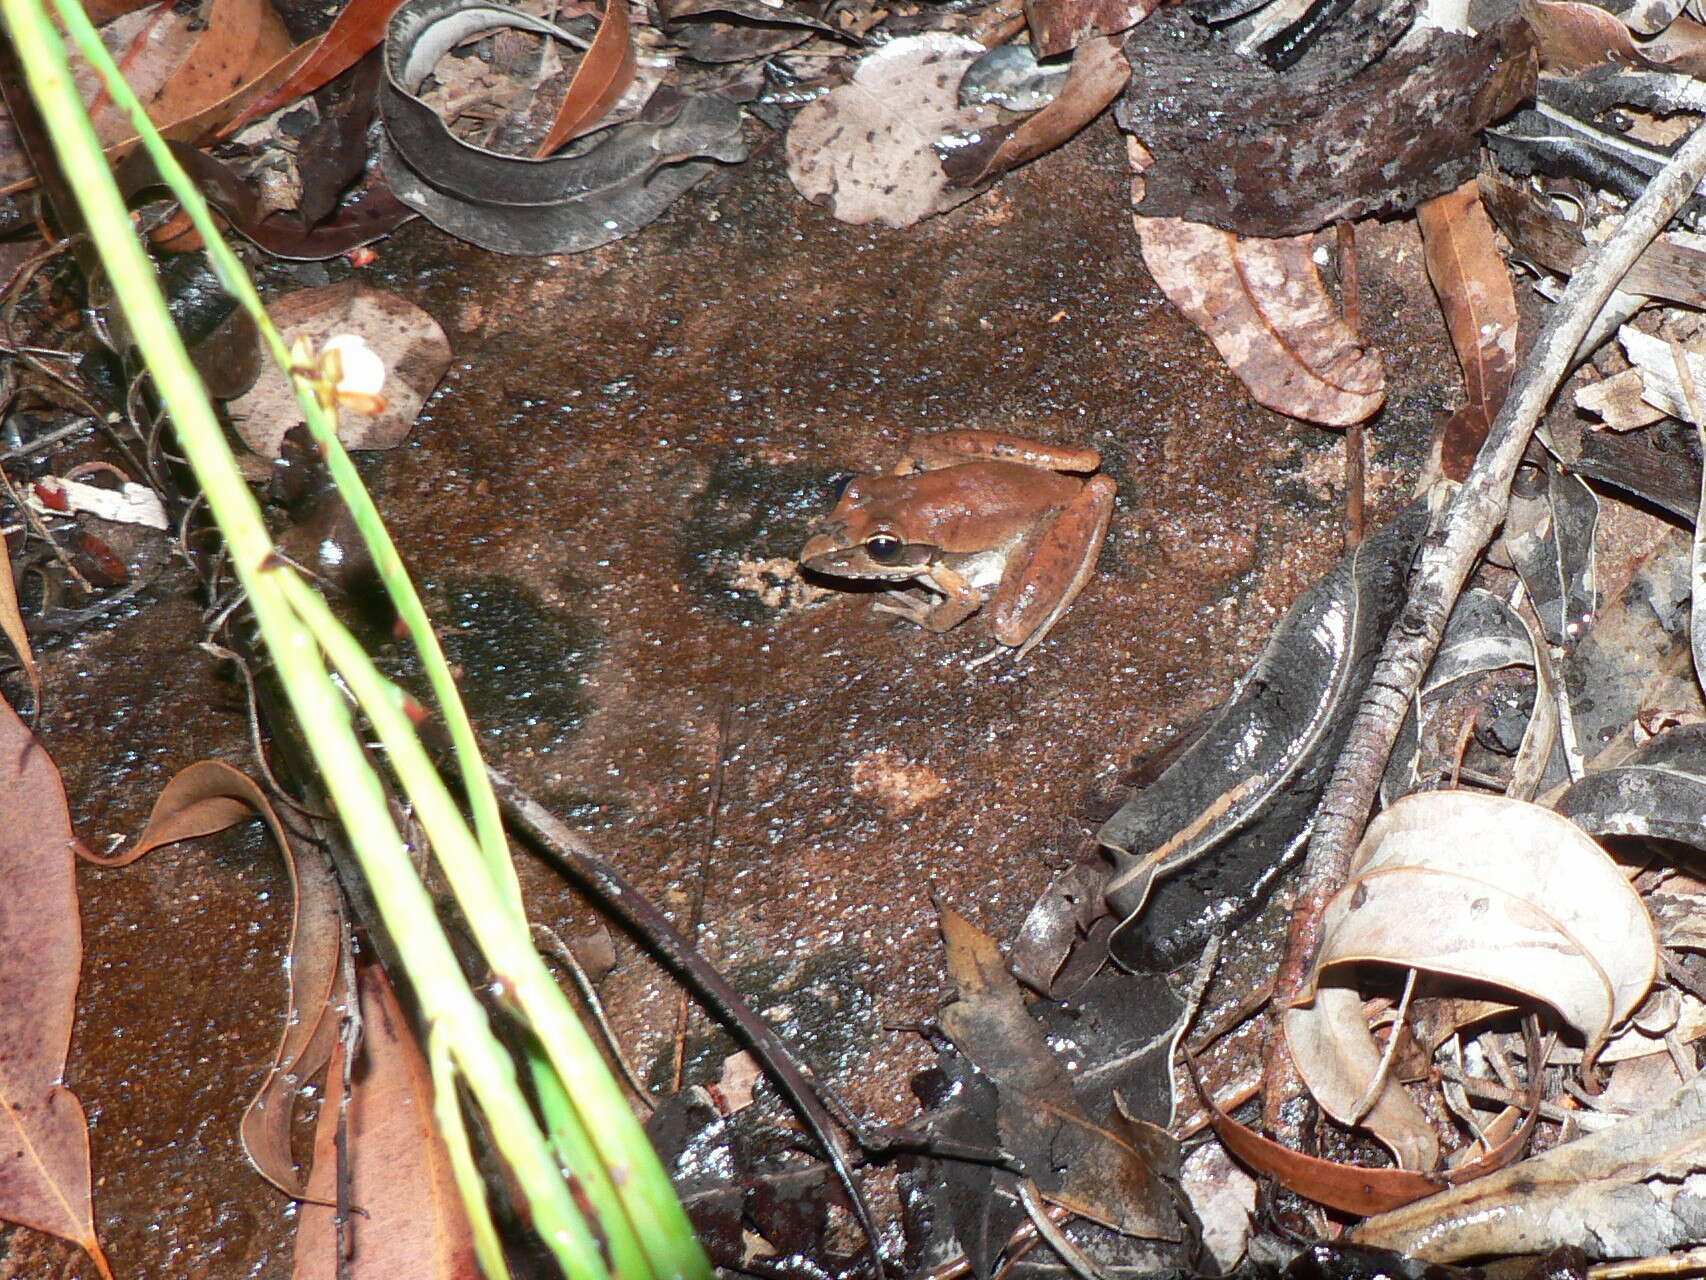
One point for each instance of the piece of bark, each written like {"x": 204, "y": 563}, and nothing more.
{"x": 1348, "y": 132}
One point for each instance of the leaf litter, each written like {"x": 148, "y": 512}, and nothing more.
{"x": 1556, "y": 686}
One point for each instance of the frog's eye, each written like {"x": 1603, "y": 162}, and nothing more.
{"x": 884, "y": 548}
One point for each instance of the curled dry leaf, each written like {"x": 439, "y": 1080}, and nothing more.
{"x": 869, "y": 148}
{"x": 1339, "y": 1060}
{"x": 1264, "y": 306}
{"x": 210, "y": 796}
{"x": 1551, "y": 916}
{"x": 1099, "y": 71}
{"x": 409, "y": 343}
{"x": 44, "y": 1138}
{"x": 601, "y": 189}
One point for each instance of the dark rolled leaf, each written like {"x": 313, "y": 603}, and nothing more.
{"x": 605, "y": 187}
{"x": 1202, "y": 846}
{"x": 1660, "y": 791}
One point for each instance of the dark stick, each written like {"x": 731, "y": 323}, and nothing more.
{"x": 640, "y": 914}
{"x": 1469, "y": 522}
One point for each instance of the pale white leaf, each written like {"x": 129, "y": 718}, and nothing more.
{"x": 1498, "y": 891}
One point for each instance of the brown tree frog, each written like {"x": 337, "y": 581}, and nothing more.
{"x": 974, "y": 519}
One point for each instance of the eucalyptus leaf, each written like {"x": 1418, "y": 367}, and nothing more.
{"x": 1660, "y": 791}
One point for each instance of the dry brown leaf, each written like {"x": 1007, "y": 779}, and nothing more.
{"x": 186, "y": 65}
{"x": 1339, "y": 1060}
{"x": 603, "y": 76}
{"x": 868, "y": 149}
{"x": 1099, "y": 72}
{"x": 410, "y": 1223}
{"x": 1264, "y": 306}
{"x": 12, "y": 623}
{"x": 44, "y": 1138}
{"x": 1347, "y": 1187}
{"x": 1474, "y": 289}
{"x": 1058, "y": 26}
{"x": 210, "y": 796}
{"x": 407, "y": 340}
{"x": 1580, "y": 37}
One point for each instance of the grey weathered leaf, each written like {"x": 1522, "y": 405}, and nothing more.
{"x": 1631, "y": 1191}
{"x": 1660, "y": 791}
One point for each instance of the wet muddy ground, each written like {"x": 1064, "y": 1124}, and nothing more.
{"x": 596, "y": 502}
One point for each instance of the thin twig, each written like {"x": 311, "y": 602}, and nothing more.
{"x": 1471, "y": 518}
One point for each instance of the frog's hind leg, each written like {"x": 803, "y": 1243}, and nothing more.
{"x": 952, "y": 448}
{"x": 1038, "y": 588}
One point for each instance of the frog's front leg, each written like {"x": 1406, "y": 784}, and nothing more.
{"x": 955, "y": 601}
{"x": 951, "y": 448}
{"x": 1040, "y": 585}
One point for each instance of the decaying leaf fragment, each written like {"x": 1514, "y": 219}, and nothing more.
{"x": 1264, "y": 306}
{"x": 602, "y": 188}
{"x": 869, "y": 148}
{"x": 410, "y": 346}
{"x": 1112, "y": 1173}
{"x": 1359, "y": 126}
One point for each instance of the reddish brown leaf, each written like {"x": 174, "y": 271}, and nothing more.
{"x": 1263, "y": 305}
{"x": 1580, "y": 37}
{"x": 1099, "y": 72}
{"x": 1060, "y": 25}
{"x": 604, "y": 74}
{"x": 200, "y": 76}
{"x": 210, "y": 796}
{"x": 44, "y": 1138}
{"x": 410, "y": 1220}
{"x": 358, "y": 29}
{"x": 1475, "y": 294}
{"x": 1349, "y": 1188}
